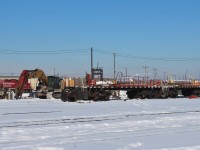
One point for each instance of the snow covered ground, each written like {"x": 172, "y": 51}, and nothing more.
{"x": 35, "y": 124}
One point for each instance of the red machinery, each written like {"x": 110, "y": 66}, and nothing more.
{"x": 23, "y": 80}
{"x": 10, "y": 84}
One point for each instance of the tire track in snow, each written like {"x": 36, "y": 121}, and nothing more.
{"x": 47, "y": 112}
{"x": 85, "y": 119}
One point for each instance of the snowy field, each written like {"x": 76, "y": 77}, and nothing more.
{"x": 170, "y": 124}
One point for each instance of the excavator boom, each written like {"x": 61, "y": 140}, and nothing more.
{"x": 28, "y": 74}
{"x": 21, "y": 82}
{"x": 37, "y": 73}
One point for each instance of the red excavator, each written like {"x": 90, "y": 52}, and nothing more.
{"x": 48, "y": 85}
{"x": 28, "y": 74}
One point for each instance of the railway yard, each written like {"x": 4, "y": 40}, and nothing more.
{"x": 39, "y": 85}
{"x": 99, "y": 75}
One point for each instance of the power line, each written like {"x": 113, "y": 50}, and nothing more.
{"x": 11, "y": 52}
{"x": 103, "y": 52}
{"x": 147, "y": 58}
{"x": 43, "y": 52}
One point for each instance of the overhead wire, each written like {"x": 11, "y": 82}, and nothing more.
{"x": 44, "y": 52}
{"x": 103, "y": 52}
{"x": 99, "y": 51}
{"x": 147, "y": 58}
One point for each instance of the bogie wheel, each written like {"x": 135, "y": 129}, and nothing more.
{"x": 64, "y": 96}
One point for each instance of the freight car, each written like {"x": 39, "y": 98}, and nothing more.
{"x": 138, "y": 89}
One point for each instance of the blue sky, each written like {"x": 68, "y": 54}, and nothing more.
{"x": 157, "y": 29}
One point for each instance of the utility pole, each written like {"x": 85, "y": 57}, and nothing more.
{"x": 145, "y": 72}
{"x": 126, "y": 74}
{"x": 199, "y": 74}
{"x": 154, "y": 73}
{"x": 174, "y": 76}
{"x": 186, "y": 74}
{"x": 114, "y": 65}
{"x": 164, "y": 75}
{"x": 91, "y": 62}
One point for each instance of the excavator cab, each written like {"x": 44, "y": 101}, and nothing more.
{"x": 53, "y": 83}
